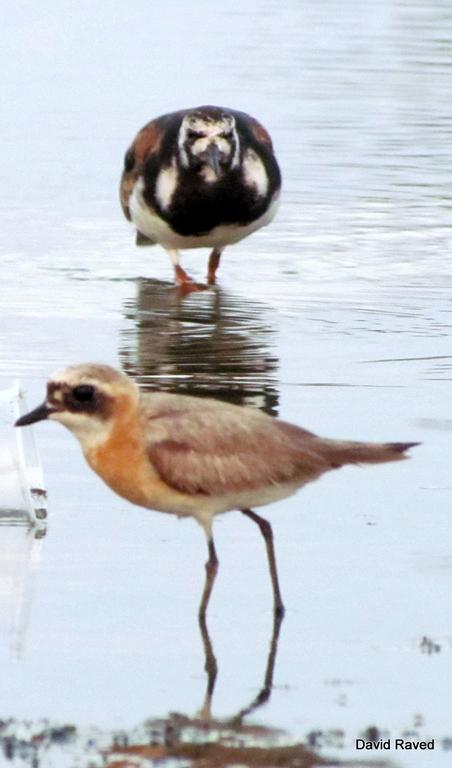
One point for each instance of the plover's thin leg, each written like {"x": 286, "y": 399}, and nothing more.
{"x": 211, "y": 572}
{"x": 267, "y": 533}
{"x": 214, "y": 261}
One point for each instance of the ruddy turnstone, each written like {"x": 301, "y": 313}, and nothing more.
{"x": 191, "y": 456}
{"x": 202, "y": 177}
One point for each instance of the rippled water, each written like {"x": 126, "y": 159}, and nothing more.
{"x": 337, "y": 316}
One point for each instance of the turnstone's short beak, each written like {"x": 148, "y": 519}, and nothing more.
{"x": 212, "y": 156}
{"x": 38, "y": 414}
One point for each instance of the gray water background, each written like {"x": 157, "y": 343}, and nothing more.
{"x": 337, "y": 317}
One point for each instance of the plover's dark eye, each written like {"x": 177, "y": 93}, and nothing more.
{"x": 83, "y": 393}
{"x": 193, "y": 135}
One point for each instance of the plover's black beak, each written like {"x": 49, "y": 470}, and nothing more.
{"x": 39, "y": 413}
{"x": 212, "y": 156}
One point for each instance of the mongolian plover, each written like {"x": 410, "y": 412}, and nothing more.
{"x": 191, "y": 456}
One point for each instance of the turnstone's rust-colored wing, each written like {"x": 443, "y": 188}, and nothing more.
{"x": 258, "y": 130}
{"x": 147, "y": 143}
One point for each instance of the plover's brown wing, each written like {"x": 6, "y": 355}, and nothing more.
{"x": 203, "y": 446}
{"x": 338, "y": 453}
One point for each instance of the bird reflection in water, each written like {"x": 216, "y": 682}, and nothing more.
{"x": 211, "y": 668}
{"x": 210, "y": 344}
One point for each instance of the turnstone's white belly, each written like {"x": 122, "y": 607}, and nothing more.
{"x": 155, "y": 228}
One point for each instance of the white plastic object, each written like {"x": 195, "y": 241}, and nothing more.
{"x": 23, "y": 498}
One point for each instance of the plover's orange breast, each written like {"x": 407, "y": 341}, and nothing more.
{"x": 123, "y": 469}
{"x": 123, "y": 464}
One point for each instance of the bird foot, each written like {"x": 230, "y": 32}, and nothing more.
{"x": 184, "y": 289}
{"x": 185, "y": 284}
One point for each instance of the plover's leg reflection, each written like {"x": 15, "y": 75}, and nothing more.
{"x": 211, "y": 668}
{"x": 265, "y": 692}
{"x": 210, "y": 665}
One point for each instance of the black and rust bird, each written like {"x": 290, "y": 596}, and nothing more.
{"x": 197, "y": 178}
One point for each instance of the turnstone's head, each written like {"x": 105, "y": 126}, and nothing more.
{"x": 86, "y": 399}
{"x": 208, "y": 142}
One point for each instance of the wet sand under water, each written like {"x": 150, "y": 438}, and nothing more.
{"x": 175, "y": 740}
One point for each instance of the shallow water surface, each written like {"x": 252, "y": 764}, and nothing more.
{"x": 337, "y": 317}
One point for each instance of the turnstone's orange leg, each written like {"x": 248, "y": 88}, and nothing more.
{"x": 214, "y": 261}
{"x": 181, "y": 275}
{"x": 184, "y": 281}
{"x": 267, "y": 533}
